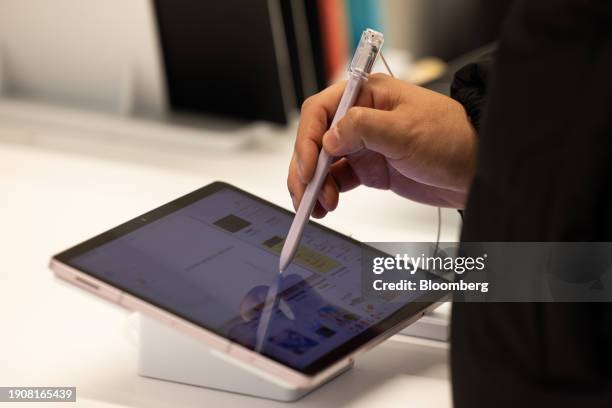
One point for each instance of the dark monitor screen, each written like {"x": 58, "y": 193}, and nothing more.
{"x": 221, "y": 57}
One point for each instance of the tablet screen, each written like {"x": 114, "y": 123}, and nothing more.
{"x": 212, "y": 256}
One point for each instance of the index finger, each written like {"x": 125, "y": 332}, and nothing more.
{"x": 315, "y": 118}
{"x": 379, "y": 92}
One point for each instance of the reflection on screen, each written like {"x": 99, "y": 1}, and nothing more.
{"x": 215, "y": 262}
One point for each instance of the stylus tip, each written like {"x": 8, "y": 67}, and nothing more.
{"x": 282, "y": 264}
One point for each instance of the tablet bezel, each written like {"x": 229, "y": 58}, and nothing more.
{"x": 327, "y": 360}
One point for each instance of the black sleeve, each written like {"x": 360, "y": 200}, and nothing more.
{"x": 544, "y": 174}
{"x": 469, "y": 87}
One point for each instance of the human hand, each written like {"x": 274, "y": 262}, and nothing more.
{"x": 400, "y": 137}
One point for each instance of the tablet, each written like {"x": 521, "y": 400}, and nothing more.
{"x": 207, "y": 263}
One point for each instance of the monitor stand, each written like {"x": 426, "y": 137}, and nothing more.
{"x": 167, "y": 354}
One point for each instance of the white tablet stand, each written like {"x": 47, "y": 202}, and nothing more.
{"x": 167, "y": 354}
{"x": 434, "y": 325}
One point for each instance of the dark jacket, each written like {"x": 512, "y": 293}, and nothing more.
{"x": 543, "y": 109}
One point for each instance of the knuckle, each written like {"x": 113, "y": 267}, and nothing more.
{"x": 308, "y": 102}
{"x": 378, "y": 76}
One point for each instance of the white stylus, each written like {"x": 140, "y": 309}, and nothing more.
{"x": 365, "y": 55}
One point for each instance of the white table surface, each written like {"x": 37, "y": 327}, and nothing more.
{"x": 60, "y": 186}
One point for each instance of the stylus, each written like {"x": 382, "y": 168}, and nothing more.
{"x": 363, "y": 60}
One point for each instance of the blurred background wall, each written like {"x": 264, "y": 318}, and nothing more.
{"x": 442, "y": 28}
{"x": 94, "y": 54}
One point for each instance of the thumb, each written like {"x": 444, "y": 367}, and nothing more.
{"x": 368, "y": 128}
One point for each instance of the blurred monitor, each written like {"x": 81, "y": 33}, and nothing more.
{"x": 227, "y": 57}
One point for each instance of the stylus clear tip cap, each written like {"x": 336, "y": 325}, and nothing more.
{"x": 365, "y": 55}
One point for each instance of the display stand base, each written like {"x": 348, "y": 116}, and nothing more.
{"x": 434, "y": 325}
{"x": 167, "y": 354}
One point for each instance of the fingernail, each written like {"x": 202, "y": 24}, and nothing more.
{"x": 336, "y": 134}
{"x": 333, "y": 138}
{"x": 300, "y": 170}
{"x": 322, "y": 196}
{"x": 293, "y": 201}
